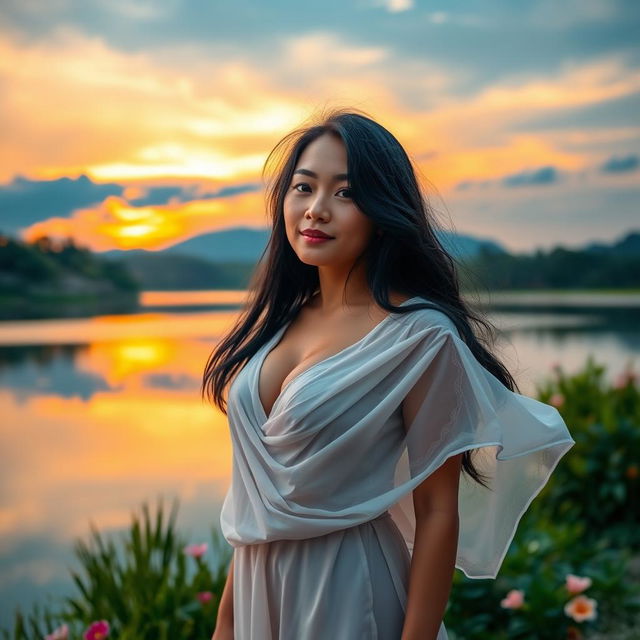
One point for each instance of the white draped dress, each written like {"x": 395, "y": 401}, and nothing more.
{"x": 320, "y": 506}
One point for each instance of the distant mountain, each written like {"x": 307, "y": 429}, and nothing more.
{"x": 246, "y": 244}
{"x": 162, "y": 271}
{"x": 465, "y": 247}
{"x": 240, "y": 244}
{"x": 628, "y": 245}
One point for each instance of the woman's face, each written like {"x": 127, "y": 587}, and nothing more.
{"x": 318, "y": 199}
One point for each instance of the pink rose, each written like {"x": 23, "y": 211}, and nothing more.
{"x": 513, "y": 600}
{"x": 557, "y": 400}
{"x": 61, "y": 633}
{"x": 196, "y": 550}
{"x": 577, "y": 584}
{"x": 97, "y": 630}
{"x": 204, "y": 596}
{"x": 625, "y": 378}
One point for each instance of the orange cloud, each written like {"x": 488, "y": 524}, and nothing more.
{"x": 125, "y": 116}
{"x": 118, "y": 115}
{"x": 116, "y": 224}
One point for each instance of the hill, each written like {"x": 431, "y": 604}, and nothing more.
{"x": 48, "y": 278}
{"x": 162, "y": 271}
{"x": 628, "y": 245}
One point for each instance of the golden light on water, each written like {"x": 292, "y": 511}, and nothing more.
{"x": 193, "y": 298}
{"x": 144, "y": 427}
{"x": 135, "y": 357}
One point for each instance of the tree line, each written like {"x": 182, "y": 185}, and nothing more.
{"x": 558, "y": 268}
{"x": 47, "y": 261}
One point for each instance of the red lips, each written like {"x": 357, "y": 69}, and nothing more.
{"x": 314, "y": 233}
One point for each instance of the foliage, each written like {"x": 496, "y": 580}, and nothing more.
{"x": 559, "y": 268}
{"x": 24, "y": 265}
{"x": 583, "y": 522}
{"x": 605, "y": 423}
{"x": 20, "y": 259}
{"x": 143, "y": 584}
{"x": 541, "y": 556}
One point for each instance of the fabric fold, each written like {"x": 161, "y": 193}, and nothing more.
{"x": 337, "y": 451}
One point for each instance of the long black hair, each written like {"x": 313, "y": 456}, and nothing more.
{"x": 407, "y": 257}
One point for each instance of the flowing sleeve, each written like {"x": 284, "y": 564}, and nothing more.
{"x": 517, "y": 441}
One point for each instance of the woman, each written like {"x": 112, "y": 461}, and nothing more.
{"x": 376, "y": 443}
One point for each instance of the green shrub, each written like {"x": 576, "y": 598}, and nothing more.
{"x": 598, "y": 480}
{"x": 541, "y": 556}
{"x": 143, "y": 584}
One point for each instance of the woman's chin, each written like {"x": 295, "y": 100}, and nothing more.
{"x": 314, "y": 261}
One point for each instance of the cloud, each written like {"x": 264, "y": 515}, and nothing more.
{"x": 611, "y": 120}
{"x": 621, "y": 164}
{"x": 545, "y": 13}
{"x": 178, "y": 112}
{"x": 394, "y": 6}
{"x": 118, "y": 116}
{"x": 142, "y": 10}
{"x": 541, "y": 176}
{"x": 24, "y": 202}
{"x": 464, "y": 185}
{"x": 118, "y": 224}
{"x": 322, "y": 50}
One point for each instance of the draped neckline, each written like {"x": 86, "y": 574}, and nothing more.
{"x": 271, "y": 344}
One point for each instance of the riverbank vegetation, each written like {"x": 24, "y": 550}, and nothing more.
{"x": 51, "y": 278}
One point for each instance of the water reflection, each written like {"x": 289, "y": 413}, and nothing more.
{"x": 89, "y": 432}
{"x": 36, "y": 370}
{"x": 191, "y": 299}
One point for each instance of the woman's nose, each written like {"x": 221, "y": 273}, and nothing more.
{"x": 317, "y": 206}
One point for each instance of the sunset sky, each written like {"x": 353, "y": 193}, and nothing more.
{"x": 140, "y": 124}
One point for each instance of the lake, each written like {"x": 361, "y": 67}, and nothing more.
{"x": 102, "y": 414}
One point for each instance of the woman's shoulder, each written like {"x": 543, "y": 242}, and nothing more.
{"x": 427, "y": 317}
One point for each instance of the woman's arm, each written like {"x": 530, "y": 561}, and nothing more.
{"x": 434, "y": 553}
{"x": 224, "y": 621}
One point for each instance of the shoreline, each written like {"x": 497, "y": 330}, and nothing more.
{"x": 14, "y": 308}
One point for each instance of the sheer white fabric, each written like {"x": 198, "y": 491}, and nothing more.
{"x": 335, "y": 454}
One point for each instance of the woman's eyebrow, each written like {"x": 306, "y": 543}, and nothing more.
{"x": 313, "y": 174}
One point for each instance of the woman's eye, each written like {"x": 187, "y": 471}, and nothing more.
{"x": 347, "y": 192}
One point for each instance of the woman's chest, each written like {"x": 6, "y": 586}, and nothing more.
{"x": 292, "y": 353}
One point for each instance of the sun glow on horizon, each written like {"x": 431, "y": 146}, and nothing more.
{"x": 117, "y": 224}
